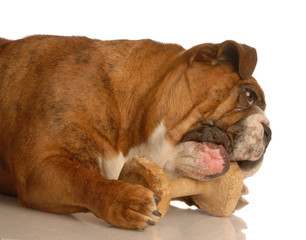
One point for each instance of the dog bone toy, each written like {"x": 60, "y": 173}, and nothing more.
{"x": 218, "y": 197}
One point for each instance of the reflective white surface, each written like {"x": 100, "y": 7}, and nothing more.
{"x": 21, "y": 223}
{"x": 265, "y": 218}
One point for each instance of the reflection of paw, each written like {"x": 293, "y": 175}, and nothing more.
{"x": 130, "y": 206}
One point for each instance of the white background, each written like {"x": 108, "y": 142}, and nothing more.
{"x": 275, "y": 28}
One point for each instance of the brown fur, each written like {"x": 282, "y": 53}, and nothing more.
{"x": 63, "y": 100}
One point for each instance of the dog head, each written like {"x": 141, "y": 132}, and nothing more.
{"x": 213, "y": 111}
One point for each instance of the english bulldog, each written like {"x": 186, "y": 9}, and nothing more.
{"x": 74, "y": 109}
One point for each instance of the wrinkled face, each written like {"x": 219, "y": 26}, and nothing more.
{"x": 235, "y": 130}
{"x": 222, "y": 120}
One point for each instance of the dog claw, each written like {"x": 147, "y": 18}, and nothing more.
{"x": 150, "y": 223}
{"x": 157, "y": 198}
{"x": 157, "y": 213}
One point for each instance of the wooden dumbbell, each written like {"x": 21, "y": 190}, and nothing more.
{"x": 218, "y": 197}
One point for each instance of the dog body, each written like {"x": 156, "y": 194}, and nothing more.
{"x": 73, "y": 110}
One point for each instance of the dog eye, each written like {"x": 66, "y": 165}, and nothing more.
{"x": 250, "y": 96}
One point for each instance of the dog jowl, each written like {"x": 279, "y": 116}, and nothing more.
{"x": 73, "y": 110}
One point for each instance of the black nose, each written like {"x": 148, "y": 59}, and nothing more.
{"x": 268, "y": 135}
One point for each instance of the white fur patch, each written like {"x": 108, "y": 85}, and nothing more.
{"x": 156, "y": 149}
{"x": 111, "y": 168}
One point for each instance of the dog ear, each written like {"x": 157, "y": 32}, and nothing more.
{"x": 243, "y": 57}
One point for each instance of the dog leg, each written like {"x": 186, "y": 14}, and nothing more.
{"x": 60, "y": 185}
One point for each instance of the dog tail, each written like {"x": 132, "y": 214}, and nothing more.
{"x": 3, "y": 43}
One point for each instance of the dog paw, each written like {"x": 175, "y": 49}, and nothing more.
{"x": 130, "y": 206}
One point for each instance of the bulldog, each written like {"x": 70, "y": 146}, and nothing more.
{"x": 74, "y": 109}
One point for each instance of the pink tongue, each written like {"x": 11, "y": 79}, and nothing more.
{"x": 210, "y": 160}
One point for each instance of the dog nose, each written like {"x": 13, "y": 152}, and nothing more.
{"x": 267, "y": 135}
